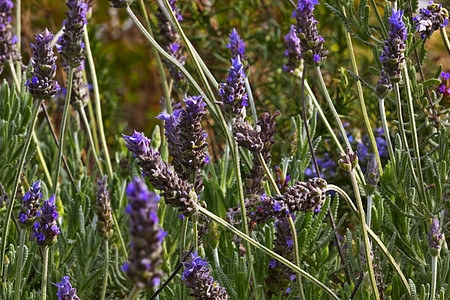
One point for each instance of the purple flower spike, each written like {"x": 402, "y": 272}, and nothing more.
{"x": 145, "y": 235}
{"x": 196, "y": 275}
{"x": 65, "y": 290}
{"x": 102, "y": 208}
{"x": 234, "y": 95}
{"x": 46, "y": 230}
{"x": 293, "y": 52}
{"x": 430, "y": 19}
{"x": 30, "y": 205}
{"x": 41, "y": 85}
{"x": 71, "y": 46}
{"x": 435, "y": 237}
{"x": 444, "y": 88}
{"x": 311, "y": 42}
{"x": 8, "y": 50}
{"x": 237, "y": 46}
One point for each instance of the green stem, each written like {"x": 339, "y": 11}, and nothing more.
{"x": 267, "y": 251}
{"x": 434, "y": 270}
{"x": 134, "y": 293}
{"x": 119, "y": 234}
{"x": 386, "y": 130}
{"x": 45, "y": 271}
{"x": 384, "y": 32}
{"x": 445, "y": 39}
{"x": 62, "y": 132}
{"x": 19, "y": 39}
{"x": 367, "y": 246}
{"x": 105, "y": 278}
{"x": 93, "y": 125}
{"x": 194, "y": 225}
{"x": 182, "y": 247}
{"x": 14, "y": 75}
{"x": 23, "y": 234}
{"x": 98, "y": 107}
{"x": 12, "y": 197}
{"x": 369, "y": 209}
{"x": 251, "y": 101}
{"x": 91, "y": 140}
{"x": 42, "y": 160}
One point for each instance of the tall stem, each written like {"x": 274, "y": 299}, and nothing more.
{"x": 369, "y": 209}
{"x": 266, "y": 250}
{"x": 434, "y": 260}
{"x": 445, "y": 39}
{"x": 23, "y": 234}
{"x": 105, "y": 279}
{"x": 365, "y": 235}
{"x": 98, "y": 107}
{"x": 91, "y": 139}
{"x": 386, "y": 130}
{"x": 14, "y": 75}
{"x": 42, "y": 160}
{"x": 16, "y": 180}
{"x": 134, "y": 293}
{"x": 62, "y": 132}
{"x": 19, "y": 39}
{"x": 45, "y": 271}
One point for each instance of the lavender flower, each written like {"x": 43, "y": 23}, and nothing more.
{"x": 372, "y": 176}
{"x": 234, "y": 95}
{"x": 348, "y": 161}
{"x": 430, "y": 19}
{"x": 42, "y": 85}
{"x": 46, "y": 230}
{"x": 79, "y": 95}
{"x": 102, "y": 208}
{"x": 120, "y": 3}
{"x": 393, "y": 55}
{"x": 187, "y": 139}
{"x": 71, "y": 46}
{"x": 65, "y": 290}
{"x": 176, "y": 191}
{"x": 8, "y": 49}
{"x": 30, "y": 205}
{"x": 293, "y": 52}
{"x": 172, "y": 44}
{"x": 435, "y": 237}
{"x": 237, "y": 46}
{"x": 303, "y": 196}
{"x": 145, "y": 234}
{"x": 196, "y": 276}
{"x": 444, "y": 88}
{"x": 311, "y": 41}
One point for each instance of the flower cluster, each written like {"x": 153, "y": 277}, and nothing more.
{"x": 187, "y": 139}
{"x": 172, "y": 44}
{"x": 444, "y": 88}
{"x": 42, "y": 85}
{"x": 30, "y": 205}
{"x": 435, "y": 237}
{"x": 430, "y": 19}
{"x": 237, "y": 46}
{"x": 79, "y": 96}
{"x": 196, "y": 275}
{"x": 8, "y": 49}
{"x": 280, "y": 276}
{"x": 303, "y": 196}
{"x": 145, "y": 234}
{"x": 102, "y": 207}
{"x": 71, "y": 46}
{"x": 46, "y": 230}
{"x": 311, "y": 42}
{"x": 234, "y": 95}
{"x": 65, "y": 290}
{"x": 393, "y": 55}
{"x": 175, "y": 190}
{"x": 293, "y": 51}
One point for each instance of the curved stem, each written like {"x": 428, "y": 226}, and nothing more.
{"x": 268, "y": 252}
{"x": 445, "y": 39}
{"x": 98, "y": 107}
{"x": 105, "y": 279}
{"x": 434, "y": 260}
{"x": 16, "y": 181}
{"x": 45, "y": 272}
{"x": 134, "y": 293}
{"x": 23, "y": 234}
{"x": 62, "y": 132}
{"x": 91, "y": 139}
{"x": 386, "y": 130}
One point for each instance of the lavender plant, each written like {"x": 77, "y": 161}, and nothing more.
{"x": 8, "y": 49}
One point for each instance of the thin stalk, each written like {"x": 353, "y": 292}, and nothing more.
{"x": 105, "y": 279}
{"x": 194, "y": 225}
{"x": 19, "y": 39}
{"x": 362, "y": 103}
{"x": 98, "y": 107}
{"x": 14, "y": 75}
{"x": 384, "y": 32}
{"x": 16, "y": 180}
{"x": 62, "y": 132}
{"x": 375, "y": 238}
{"x": 267, "y": 251}
{"x": 119, "y": 234}
{"x": 159, "y": 64}
{"x": 182, "y": 247}
{"x": 367, "y": 246}
{"x": 91, "y": 140}
{"x": 42, "y": 160}
{"x": 369, "y": 209}
{"x": 134, "y": 293}
{"x": 93, "y": 125}
{"x": 445, "y": 39}
{"x": 386, "y": 130}
{"x": 291, "y": 225}
{"x": 45, "y": 271}
{"x": 251, "y": 101}
{"x": 23, "y": 234}
{"x": 434, "y": 270}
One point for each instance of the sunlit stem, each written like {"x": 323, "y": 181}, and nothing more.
{"x": 386, "y": 131}
{"x": 445, "y": 39}
{"x": 434, "y": 270}
{"x": 44, "y": 273}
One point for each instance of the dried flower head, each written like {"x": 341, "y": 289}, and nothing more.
{"x": 311, "y": 42}
{"x": 79, "y": 95}
{"x": 430, "y": 19}
{"x": 8, "y": 49}
{"x": 196, "y": 275}
{"x": 30, "y": 205}
{"x": 234, "y": 95}
{"x": 372, "y": 176}
{"x": 42, "y": 85}
{"x": 145, "y": 234}
{"x": 102, "y": 207}
{"x": 46, "y": 230}
{"x": 65, "y": 290}
{"x": 293, "y": 51}
{"x": 435, "y": 237}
